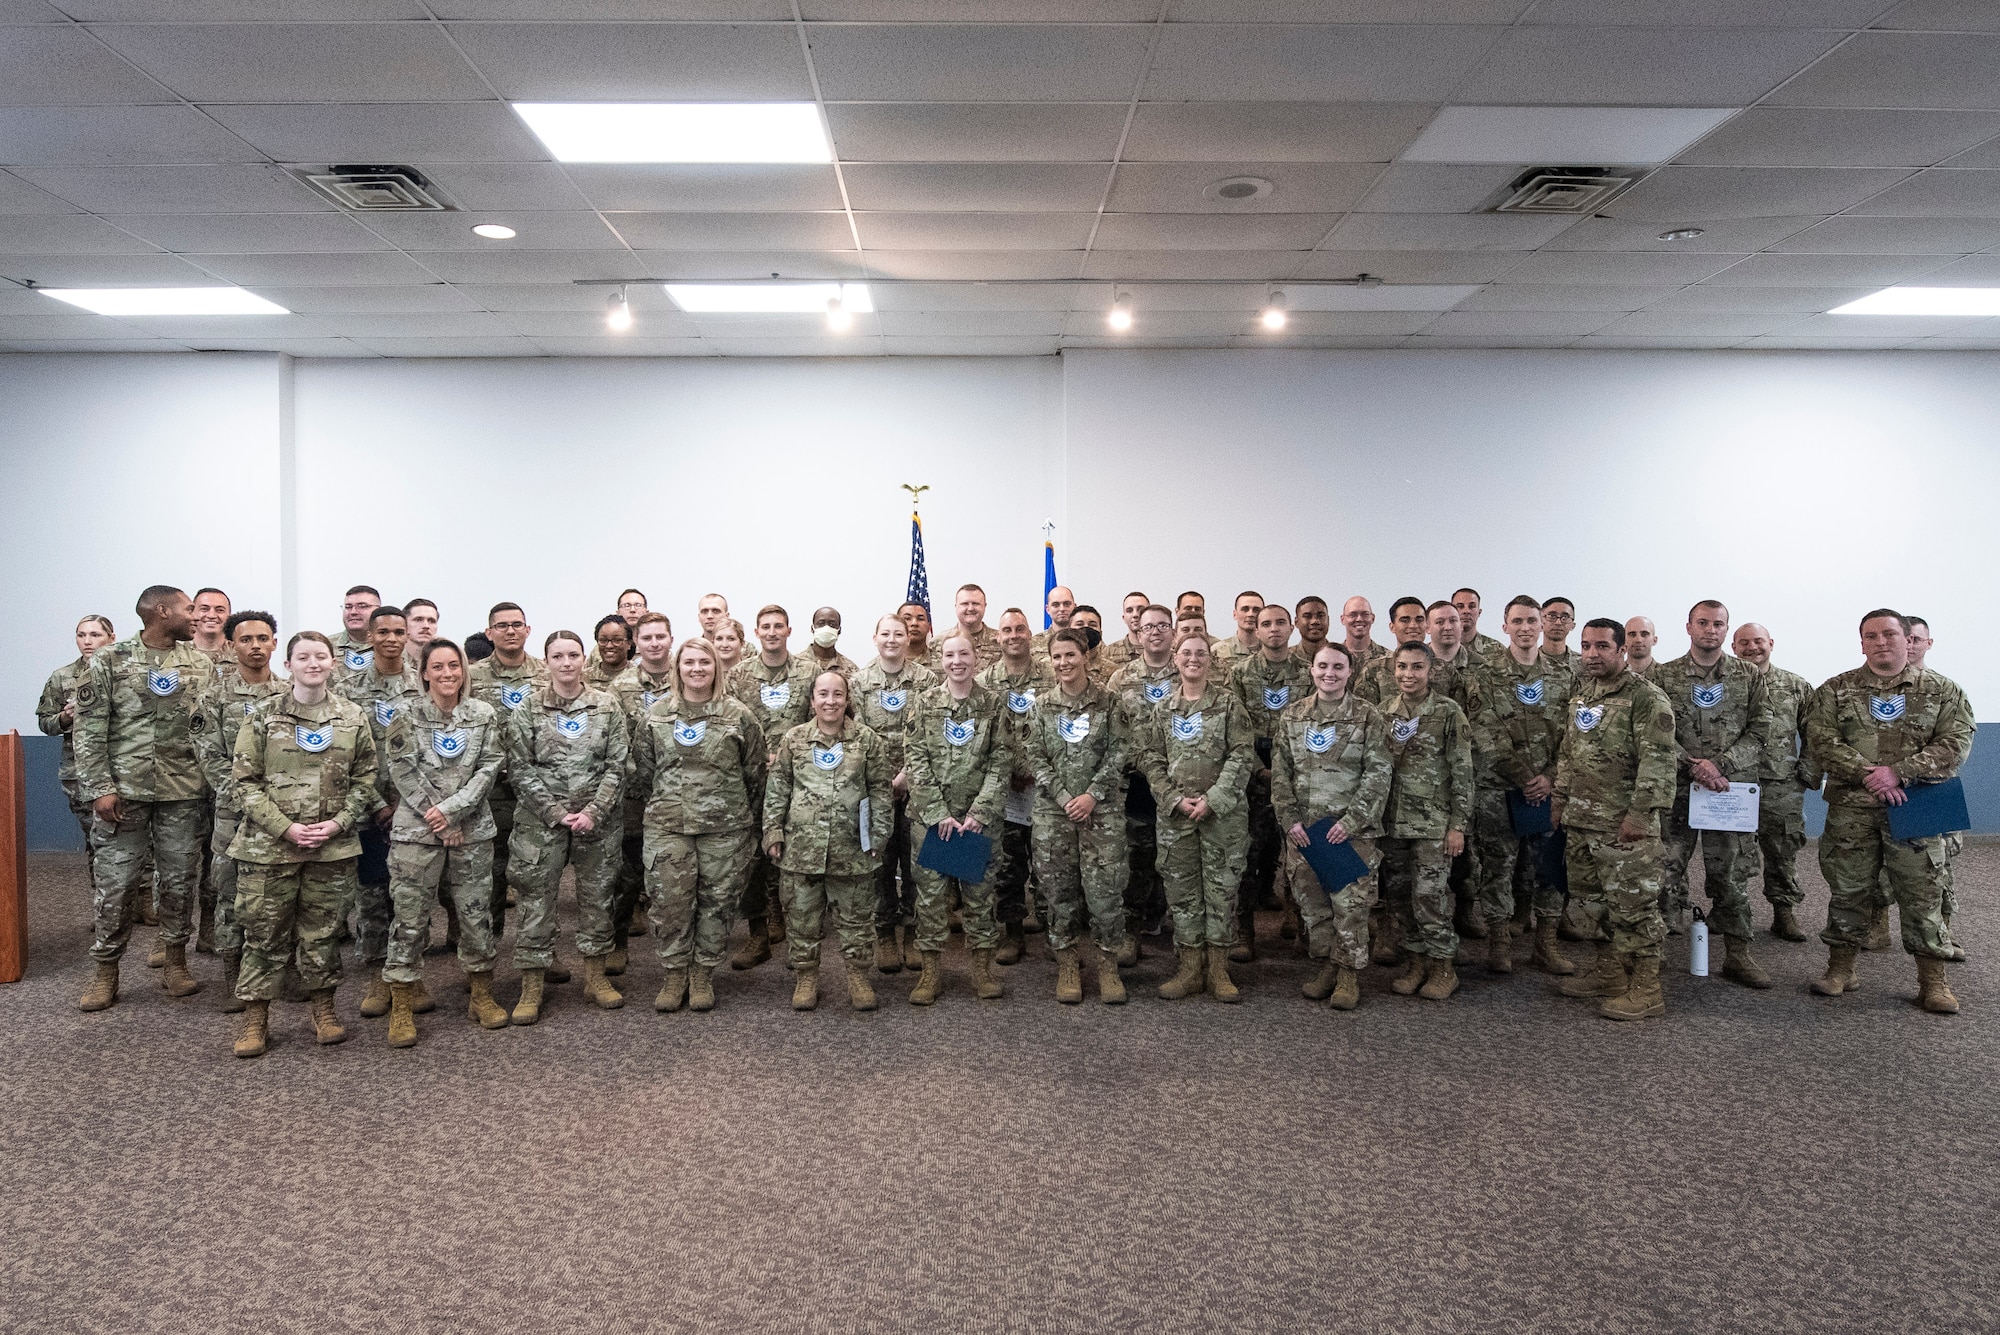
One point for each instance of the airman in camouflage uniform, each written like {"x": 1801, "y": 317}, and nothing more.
{"x": 1138, "y": 686}
{"x": 229, "y": 703}
{"x": 1267, "y": 682}
{"x": 1876, "y": 730}
{"x": 636, "y": 691}
{"x": 1428, "y": 812}
{"x": 1614, "y": 778}
{"x": 506, "y": 689}
{"x": 380, "y": 699}
{"x": 1786, "y": 774}
{"x": 884, "y": 702}
{"x": 960, "y": 762}
{"x": 55, "y": 715}
{"x": 779, "y": 697}
{"x": 1018, "y": 684}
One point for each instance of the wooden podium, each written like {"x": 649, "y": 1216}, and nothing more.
{"x": 13, "y": 859}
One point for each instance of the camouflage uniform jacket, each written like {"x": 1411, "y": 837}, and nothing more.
{"x": 1918, "y": 722}
{"x": 1115, "y": 654}
{"x": 985, "y": 644}
{"x": 600, "y": 678}
{"x": 1232, "y": 652}
{"x": 1649, "y": 671}
{"x": 959, "y": 756}
{"x": 1517, "y": 725}
{"x": 1268, "y": 689}
{"x": 1480, "y": 648}
{"x": 699, "y": 767}
{"x": 1019, "y": 691}
{"x": 1431, "y": 793}
{"x": 381, "y": 699}
{"x": 302, "y": 763}
{"x": 1076, "y": 744}
{"x": 568, "y": 756}
{"x": 884, "y": 701}
{"x": 350, "y": 655}
{"x": 1376, "y": 683}
{"x": 1787, "y": 762}
{"x": 636, "y": 691}
{"x": 1331, "y": 758}
{"x": 506, "y": 688}
{"x": 133, "y": 714}
{"x": 224, "y": 710}
{"x": 58, "y": 693}
{"x": 1721, "y": 713}
{"x": 1305, "y": 652}
{"x": 813, "y": 801}
{"x": 1566, "y": 659}
{"x": 1140, "y": 687}
{"x": 1363, "y": 656}
{"x": 1617, "y": 755}
{"x": 448, "y": 763}
{"x": 1191, "y": 748}
{"x": 779, "y": 698}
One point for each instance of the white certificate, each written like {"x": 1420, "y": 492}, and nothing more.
{"x": 867, "y": 843}
{"x": 1734, "y": 811}
{"x": 1021, "y": 806}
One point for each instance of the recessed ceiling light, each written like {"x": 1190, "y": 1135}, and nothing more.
{"x": 1966, "y": 301}
{"x": 1682, "y": 233}
{"x": 1238, "y": 189}
{"x": 165, "y": 300}
{"x": 679, "y": 131}
{"x": 495, "y": 232}
{"x": 1606, "y": 136}
{"x": 770, "y": 298}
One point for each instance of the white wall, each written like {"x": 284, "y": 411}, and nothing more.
{"x": 1800, "y": 488}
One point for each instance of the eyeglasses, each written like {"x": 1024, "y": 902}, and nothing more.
{"x": 508, "y": 625}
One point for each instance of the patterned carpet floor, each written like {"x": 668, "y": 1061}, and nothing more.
{"x": 1504, "y": 1161}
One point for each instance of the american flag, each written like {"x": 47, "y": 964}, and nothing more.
{"x": 920, "y": 581}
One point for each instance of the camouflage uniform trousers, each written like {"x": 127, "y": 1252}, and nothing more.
{"x": 1337, "y": 924}
{"x": 1856, "y": 853}
{"x": 1954, "y": 844}
{"x": 1145, "y": 893}
{"x": 1260, "y": 862}
{"x": 1202, "y": 866}
{"x": 761, "y": 889}
{"x": 168, "y": 836}
{"x": 501, "y": 803}
{"x": 630, "y": 886}
{"x": 807, "y": 896}
{"x": 1082, "y": 869}
{"x": 896, "y": 881}
{"x": 81, "y": 810}
{"x": 696, "y": 883}
{"x": 1615, "y": 887}
{"x": 417, "y": 874}
{"x": 1725, "y": 865}
{"x": 290, "y": 911}
{"x": 1012, "y": 875}
{"x": 1498, "y": 852}
{"x": 1781, "y": 833}
{"x": 934, "y": 892}
{"x": 207, "y": 901}
{"x": 223, "y": 872}
{"x": 537, "y": 854}
{"x": 372, "y": 910}
{"x": 1416, "y": 890}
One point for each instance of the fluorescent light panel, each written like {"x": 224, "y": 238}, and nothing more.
{"x": 679, "y": 131}
{"x": 1966, "y": 301}
{"x": 1563, "y": 136}
{"x": 165, "y": 300}
{"x": 769, "y": 298}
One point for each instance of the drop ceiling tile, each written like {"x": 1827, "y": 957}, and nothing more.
{"x": 1986, "y": 155}
{"x": 316, "y": 270}
{"x": 973, "y": 324}
{"x": 1257, "y": 265}
{"x": 628, "y": 345}
{"x": 253, "y": 233}
{"x": 733, "y": 231}
{"x": 828, "y": 346}
{"x": 73, "y": 325}
{"x": 974, "y": 265}
{"x": 1313, "y": 63}
{"x": 1346, "y": 11}
{"x": 1943, "y": 15}
{"x": 66, "y": 234}
{"x": 199, "y": 328}
{"x": 732, "y": 264}
{"x": 1009, "y": 297}
{"x": 1753, "y": 300}
{"x": 105, "y": 271}
{"x": 1444, "y": 231}
{"x": 1272, "y": 131}
{"x": 1972, "y": 271}
{"x": 1614, "y": 342}
{"x": 1732, "y": 236}
{"x": 451, "y": 347}
{"x": 30, "y": 11}
{"x": 17, "y": 196}
{"x": 721, "y": 188}
{"x": 1770, "y": 270}
{"x": 526, "y": 297}
{"x": 969, "y": 347}
{"x": 291, "y": 347}
{"x": 438, "y": 131}
{"x": 1850, "y": 235}
{"x": 1892, "y": 326}
{"x": 975, "y": 131}
{"x": 1800, "y": 343}
{"x": 241, "y": 11}
{"x": 1235, "y": 299}
{"x": 975, "y": 231}
{"x": 299, "y": 62}
{"x": 1129, "y": 341}
{"x": 1956, "y": 345}
{"x": 57, "y": 66}
{"x": 1709, "y": 13}
{"x": 1213, "y": 231}
{"x": 1942, "y": 193}
{"x": 1448, "y": 342}
{"x": 1831, "y": 137}
{"x": 568, "y": 230}
{"x": 783, "y": 326}
{"x": 615, "y": 62}
{"x": 529, "y": 266}
{"x": 248, "y": 188}
{"x": 436, "y": 297}
{"x": 682, "y": 11}
{"x": 1298, "y": 187}
{"x": 1629, "y": 136}
{"x": 94, "y": 345}
{"x": 978, "y": 62}
{"x": 1685, "y": 67}
{"x": 417, "y": 324}
{"x": 1550, "y": 297}
{"x": 993, "y": 11}
{"x": 26, "y": 301}
{"x": 1437, "y": 187}
{"x": 1154, "y": 324}
{"x": 1521, "y": 322}
{"x": 1616, "y": 268}
{"x": 1653, "y": 323}
{"x": 522, "y": 185}
{"x": 654, "y": 323}
{"x": 955, "y": 188}
{"x": 1411, "y": 266}
{"x": 1901, "y": 69}
{"x": 1673, "y": 193}
{"x": 109, "y": 136}
{"x": 1313, "y": 324}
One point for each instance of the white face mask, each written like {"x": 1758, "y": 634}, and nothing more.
{"x": 826, "y": 636}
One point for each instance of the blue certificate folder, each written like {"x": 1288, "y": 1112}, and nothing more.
{"x": 1932, "y": 808}
{"x": 1529, "y": 817}
{"x": 962, "y": 857}
{"x": 1336, "y": 865}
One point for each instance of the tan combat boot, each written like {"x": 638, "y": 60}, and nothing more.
{"x": 888, "y": 955}
{"x": 1069, "y": 977}
{"x": 1243, "y": 950}
{"x": 375, "y": 1000}
{"x": 1383, "y": 938}
{"x": 860, "y": 993}
{"x": 232, "y": 969}
{"x": 1346, "y": 990}
{"x": 103, "y": 989}
{"x": 1013, "y": 945}
{"x": 1128, "y": 954}
{"x": 1320, "y": 986}
{"x": 529, "y": 1008}
{"x": 673, "y": 991}
{"x": 1440, "y": 981}
{"x": 1607, "y": 977}
{"x": 1411, "y": 978}
{"x": 756, "y": 947}
{"x": 556, "y": 974}
{"x": 156, "y": 958}
{"x": 597, "y": 988}
{"x": 1933, "y": 992}
{"x": 175, "y": 979}
{"x": 1192, "y": 974}
{"x": 1499, "y": 948}
{"x": 1643, "y": 1000}
{"x": 255, "y": 1034}
{"x": 986, "y": 984}
{"x": 480, "y": 1005}
{"x": 402, "y": 1016}
{"x": 1785, "y": 923}
{"x": 1548, "y": 956}
{"x": 1220, "y": 985}
{"x": 913, "y": 958}
{"x": 1839, "y": 976}
{"x": 1878, "y": 930}
{"x": 932, "y": 978}
{"x": 1110, "y": 987}
{"x": 1738, "y": 965}
{"x": 421, "y": 1001}
{"x": 327, "y": 1028}
{"x": 616, "y": 961}
{"x": 636, "y": 924}
{"x": 701, "y": 988}
{"x": 805, "y": 988}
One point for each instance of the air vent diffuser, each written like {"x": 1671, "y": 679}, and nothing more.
{"x": 1565, "y": 190}
{"x": 379, "y": 189}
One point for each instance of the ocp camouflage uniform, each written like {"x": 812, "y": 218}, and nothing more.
{"x": 960, "y": 761}
{"x": 840, "y": 663}
{"x": 1480, "y": 649}
{"x": 985, "y": 646}
{"x": 1787, "y": 774}
{"x": 1230, "y": 652}
{"x": 299, "y": 764}
{"x": 1077, "y": 745}
{"x": 380, "y": 699}
{"x": 884, "y": 703}
{"x": 1362, "y": 657}
{"x": 506, "y": 689}
{"x": 225, "y": 708}
{"x": 565, "y": 757}
{"x": 1377, "y": 682}
{"x": 700, "y": 768}
{"x": 58, "y": 694}
{"x": 1138, "y": 689}
{"x": 812, "y": 804}
{"x": 1721, "y": 714}
{"x": 1115, "y": 654}
{"x": 600, "y": 678}
{"x": 1919, "y": 724}
{"x": 1430, "y": 795}
{"x": 351, "y": 655}
{"x": 779, "y": 698}
{"x": 1266, "y": 689}
{"x": 1012, "y": 845}
{"x": 449, "y": 763}
{"x": 1617, "y": 759}
{"x": 1332, "y": 759}
{"x": 135, "y": 736}
{"x": 1517, "y": 729}
{"x": 637, "y": 691}
{"x": 1194, "y": 748}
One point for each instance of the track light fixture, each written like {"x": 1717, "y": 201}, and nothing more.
{"x": 838, "y": 318}
{"x": 1120, "y": 318}
{"x": 1273, "y": 318}
{"x": 618, "y": 313}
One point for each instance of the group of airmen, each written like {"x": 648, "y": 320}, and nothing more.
{"x": 1490, "y": 789}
